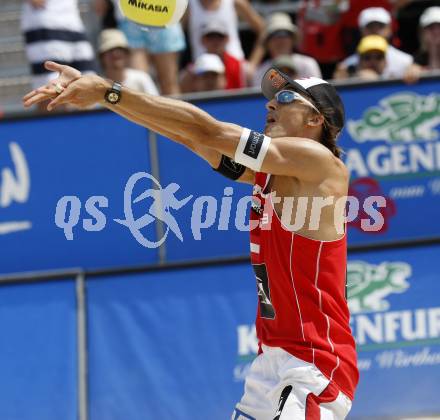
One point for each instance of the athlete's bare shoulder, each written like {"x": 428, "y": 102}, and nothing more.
{"x": 340, "y": 167}
{"x": 339, "y": 177}
{"x": 329, "y": 165}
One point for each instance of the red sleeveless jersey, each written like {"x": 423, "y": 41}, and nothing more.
{"x": 301, "y": 293}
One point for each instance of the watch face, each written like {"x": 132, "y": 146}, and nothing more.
{"x": 113, "y": 97}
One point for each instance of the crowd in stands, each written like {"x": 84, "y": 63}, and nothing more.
{"x": 210, "y": 50}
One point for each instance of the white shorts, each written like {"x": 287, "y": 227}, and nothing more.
{"x": 280, "y": 386}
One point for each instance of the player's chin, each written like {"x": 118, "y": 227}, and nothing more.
{"x": 268, "y": 129}
{"x": 272, "y": 129}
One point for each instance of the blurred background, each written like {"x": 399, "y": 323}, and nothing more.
{"x": 102, "y": 322}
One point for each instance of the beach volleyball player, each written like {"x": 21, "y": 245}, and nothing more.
{"x": 306, "y": 367}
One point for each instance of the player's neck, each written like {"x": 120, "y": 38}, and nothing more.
{"x": 313, "y": 133}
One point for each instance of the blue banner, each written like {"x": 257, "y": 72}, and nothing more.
{"x": 392, "y": 149}
{"x": 395, "y": 318}
{"x": 179, "y": 343}
{"x": 86, "y": 157}
{"x": 163, "y": 345}
{"x": 81, "y": 184}
{"x": 38, "y": 351}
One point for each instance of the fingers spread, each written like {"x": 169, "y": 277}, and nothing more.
{"x": 29, "y": 95}
{"x": 39, "y": 97}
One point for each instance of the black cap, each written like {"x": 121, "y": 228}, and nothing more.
{"x": 322, "y": 94}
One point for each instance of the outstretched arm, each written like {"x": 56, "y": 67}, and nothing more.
{"x": 181, "y": 121}
{"x": 68, "y": 74}
{"x": 210, "y": 155}
{"x": 187, "y": 124}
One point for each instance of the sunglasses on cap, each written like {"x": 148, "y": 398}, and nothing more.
{"x": 323, "y": 96}
{"x": 286, "y": 96}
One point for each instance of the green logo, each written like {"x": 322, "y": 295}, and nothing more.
{"x": 399, "y": 117}
{"x": 369, "y": 284}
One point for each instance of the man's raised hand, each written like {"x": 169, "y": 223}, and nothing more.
{"x": 66, "y": 75}
{"x": 82, "y": 93}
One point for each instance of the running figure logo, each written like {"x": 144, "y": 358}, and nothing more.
{"x": 164, "y": 199}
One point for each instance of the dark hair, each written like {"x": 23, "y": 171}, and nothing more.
{"x": 329, "y": 138}
{"x": 329, "y": 134}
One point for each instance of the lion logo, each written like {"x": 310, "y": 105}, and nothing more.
{"x": 369, "y": 284}
{"x": 399, "y": 117}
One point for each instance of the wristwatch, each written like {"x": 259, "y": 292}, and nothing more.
{"x": 113, "y": 95}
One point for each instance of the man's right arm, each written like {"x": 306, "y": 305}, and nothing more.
{"x": 210, "y": 155}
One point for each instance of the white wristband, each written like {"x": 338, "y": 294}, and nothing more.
{"x": 252, "y": 149}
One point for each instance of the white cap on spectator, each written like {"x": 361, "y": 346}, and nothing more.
{"x": 285, "y": 61}
{"x": 110, "y": 39}
{"x": 429, "y": 16}
{"x": 279, "y": 22}
{"x": 213, "y": 26}
{"x": 374, "y": 14}
{"x": 209, "y": 62}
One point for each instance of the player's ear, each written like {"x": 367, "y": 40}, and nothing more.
{"x": 315, "y": 119}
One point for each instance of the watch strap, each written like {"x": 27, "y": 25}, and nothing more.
{"x": 116, "y": 87}
{"x": 113, "y": 95}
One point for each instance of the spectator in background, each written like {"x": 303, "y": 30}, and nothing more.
{"x": 160, "y": 45}
{"x": 372, "y": 51}
{"x": 114, "y": 55}
{"x": 53, "y": 30}
{"x": 286, "y": 64}
{"x": 320, "y": 29}
{"x": 280, "y": 39}
{"x": 214, "y": 40}
{"x": 105, "y": 9}
{"x": 428, "y": 56}
{"x": 408, "y": 14}
{"x": 209, "y": 73}
{"x": 351, "y": 34}
{"x": 200, "y": 12}
{"x": 329, "y": 29}
{"x": 377, "y": 21}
